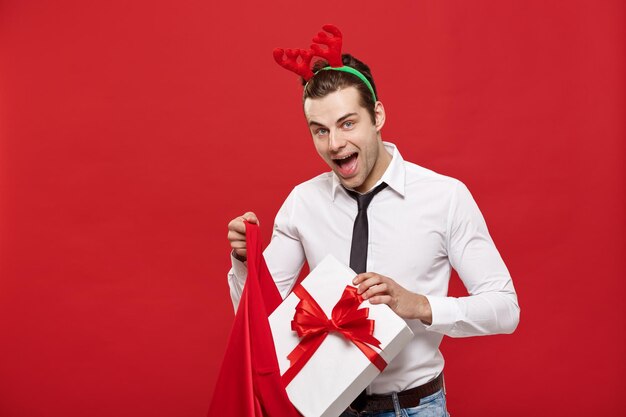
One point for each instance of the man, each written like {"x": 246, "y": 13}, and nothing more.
{"x": 420, "y": 224}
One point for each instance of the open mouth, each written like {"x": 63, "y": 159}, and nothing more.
{"x": 347, "y": 164}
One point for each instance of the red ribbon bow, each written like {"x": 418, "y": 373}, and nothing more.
{"x": 312, "y": 326}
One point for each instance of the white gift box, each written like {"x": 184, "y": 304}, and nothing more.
{"x": 338, "y": 371}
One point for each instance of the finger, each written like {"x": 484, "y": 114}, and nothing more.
{"x": 363, "y": 276}
{"x": 382, "y": 299}
{"x": 233, "y": 235}
{"x": 238, "y": 244}
{"x": 251, "y": 217}
{"x": 379, "y": 289}
{"x": 237, "y": 225}
{"x": 369, "y": 282}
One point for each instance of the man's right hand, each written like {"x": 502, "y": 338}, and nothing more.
{"x": 237, "y": 234}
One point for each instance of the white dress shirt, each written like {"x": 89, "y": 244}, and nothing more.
{"x": 420, "y": 226}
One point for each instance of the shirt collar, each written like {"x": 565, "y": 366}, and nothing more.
{"x": 394, "y": 176}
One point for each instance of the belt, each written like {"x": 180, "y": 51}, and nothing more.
{"x": 408, "y": 398}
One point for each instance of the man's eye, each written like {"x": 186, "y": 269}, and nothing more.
{"x": 321, "y": 132}
{"x": 348, "y": 124}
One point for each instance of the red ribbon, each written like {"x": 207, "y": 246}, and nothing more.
{"x": 312, "y": 326}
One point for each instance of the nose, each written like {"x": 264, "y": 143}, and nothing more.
{"x": 336, "y": 140}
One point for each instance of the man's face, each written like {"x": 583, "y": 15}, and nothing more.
{"x": 346, "y": 138}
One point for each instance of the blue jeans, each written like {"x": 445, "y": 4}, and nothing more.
{"x": 431, "y": 406}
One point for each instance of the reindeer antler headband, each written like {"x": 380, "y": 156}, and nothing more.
{"x": 299, "y": 60}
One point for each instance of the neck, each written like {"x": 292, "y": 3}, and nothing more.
{"x": 382, "y": 162}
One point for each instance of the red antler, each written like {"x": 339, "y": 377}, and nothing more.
{"x": 333, "y": 53}
{"x": 289, "y": 59}
{"x": 299, "y": 60}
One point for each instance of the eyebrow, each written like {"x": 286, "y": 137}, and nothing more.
{"x": 341, "y": 119}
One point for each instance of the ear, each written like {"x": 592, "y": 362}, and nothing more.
{"x": 379, "y": 113}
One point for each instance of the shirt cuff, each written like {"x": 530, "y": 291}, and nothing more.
{"x": 240, "y": 269}
{"x": 445, "y": 313}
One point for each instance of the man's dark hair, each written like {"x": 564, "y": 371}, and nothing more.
{"x": 326, "y": 82}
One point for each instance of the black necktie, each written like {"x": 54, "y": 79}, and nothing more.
{"x": 358, "y": 250}
{"x": 360, "y": 232}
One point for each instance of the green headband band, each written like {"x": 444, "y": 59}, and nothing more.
{"x": 352, "y": 71}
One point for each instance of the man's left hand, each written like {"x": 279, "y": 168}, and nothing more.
{"x": 379, "y": 289}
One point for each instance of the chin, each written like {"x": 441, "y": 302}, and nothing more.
{"x": 352, "y": 183}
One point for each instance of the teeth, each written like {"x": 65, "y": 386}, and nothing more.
{"x": 345, "y": 157}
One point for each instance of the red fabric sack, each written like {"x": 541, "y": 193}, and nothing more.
{"x": 249, "y": 383}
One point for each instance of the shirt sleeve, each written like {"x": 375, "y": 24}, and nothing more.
{"x": 492, "y": 305}
{"x": 284, "y": 255}
{"x": 237, "y": 279}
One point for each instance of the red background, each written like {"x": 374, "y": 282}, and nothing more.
{"x": 132, "y": 132}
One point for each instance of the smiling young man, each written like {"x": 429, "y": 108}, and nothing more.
{"x": 347, "y": 139}
{"x": 419, "y": 225}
